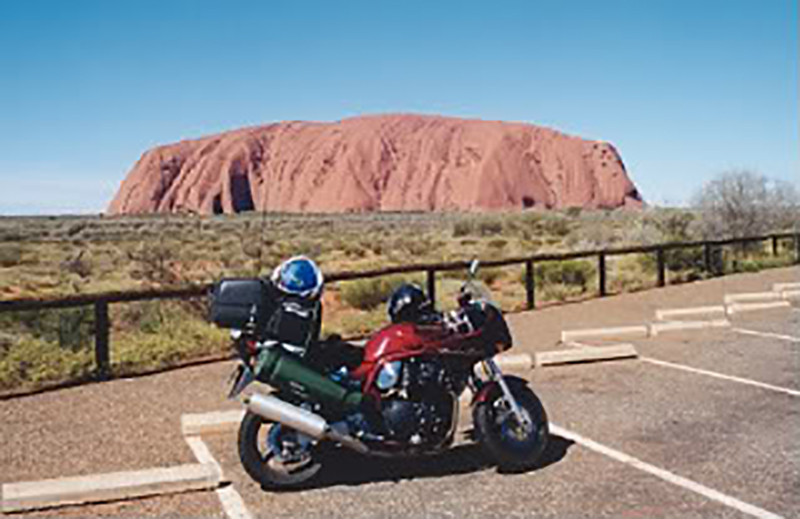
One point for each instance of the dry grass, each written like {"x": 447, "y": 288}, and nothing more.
{"x": 56, "y": 256}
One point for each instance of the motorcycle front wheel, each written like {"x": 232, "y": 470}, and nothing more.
{"x": 512, "y": 445}
{"x": 275, "y": 456}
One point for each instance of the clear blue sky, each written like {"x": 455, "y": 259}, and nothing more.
{"x": 684, "y": 89}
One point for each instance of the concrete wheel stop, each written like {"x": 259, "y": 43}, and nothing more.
{"x": 97, "y": 488}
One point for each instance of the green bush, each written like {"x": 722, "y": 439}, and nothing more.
{"x": 31, "y": 362}
{"x": 755, "y": 264}
{"x": 70, "y": 328}
{"x": 178, "y": 337}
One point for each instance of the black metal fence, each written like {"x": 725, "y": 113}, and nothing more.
{"x": 711, "y": 255}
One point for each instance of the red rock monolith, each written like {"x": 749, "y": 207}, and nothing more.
{"x": 378, "y": 163}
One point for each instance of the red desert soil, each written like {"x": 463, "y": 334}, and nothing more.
{"x": 378, "y": 163}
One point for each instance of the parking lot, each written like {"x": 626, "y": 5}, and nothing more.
{"x": 720, "y": 435}
{"x": 702, "y": 424}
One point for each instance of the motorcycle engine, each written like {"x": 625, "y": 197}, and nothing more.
{"x": 418, "y": 402}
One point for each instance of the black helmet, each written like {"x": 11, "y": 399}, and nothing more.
{"x": 408, "y": 303}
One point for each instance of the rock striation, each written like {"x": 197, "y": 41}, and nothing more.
{"x": 378, "y": 163}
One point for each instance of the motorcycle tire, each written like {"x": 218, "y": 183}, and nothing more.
{"x": 493, "y": 428}
{"x": 262, "y": 464}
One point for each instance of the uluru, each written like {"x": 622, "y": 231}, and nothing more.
{"x": 378, "y": 163}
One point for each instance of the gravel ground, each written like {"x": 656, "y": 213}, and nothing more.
{"x": 117, "y": 425}
{"x": 203, "y": 504}
{"x": 573, "y": 482}
{"x": 734, "y": 438}
{"x": 723, "y": 350}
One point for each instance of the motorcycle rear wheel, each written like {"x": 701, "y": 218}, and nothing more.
{"x": 511, "y": 445}
{"x": 266, "y": 466}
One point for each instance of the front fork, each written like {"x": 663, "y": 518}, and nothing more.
{"x": 496, "y": 375}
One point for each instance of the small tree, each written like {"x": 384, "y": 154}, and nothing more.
{"x": 742, "y": 203}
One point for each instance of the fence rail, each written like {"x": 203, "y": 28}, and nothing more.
{"x": 100, "y": 301}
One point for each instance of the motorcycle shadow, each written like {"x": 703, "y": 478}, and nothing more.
{"x": 344, "y": 467}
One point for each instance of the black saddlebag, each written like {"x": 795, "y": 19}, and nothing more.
{"x": 236, "y": 302}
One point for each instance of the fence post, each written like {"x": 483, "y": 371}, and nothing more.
{"x": 662, "y": 267}
{"x": 707, "y": 258}
{"x": 774, "y": 245}
{"x": 601, "y": 273}
{"x": 432, "y": 286}
{"x": 529, "y": 288}
{"x": 797, "y": 248}
{"x": 101, "y": 339}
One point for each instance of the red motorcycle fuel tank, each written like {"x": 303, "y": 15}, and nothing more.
{"x": 397, "y": 341}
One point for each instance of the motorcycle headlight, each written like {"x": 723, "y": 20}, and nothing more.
{"x": 389, "y": 375}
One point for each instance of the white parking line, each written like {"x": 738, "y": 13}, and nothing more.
{"x": 688, "y": 484}
{"x": 767, "y": 334}
{"x": 201, "y": 452}
{"x": 721, "y": 376}
{"x": 233, "y": 503}
{"x": 231, "y": 500}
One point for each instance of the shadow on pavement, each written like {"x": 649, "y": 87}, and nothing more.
{"x": 344, "y": 467}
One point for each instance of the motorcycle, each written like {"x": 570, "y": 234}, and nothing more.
{"x": 398, "y": 397}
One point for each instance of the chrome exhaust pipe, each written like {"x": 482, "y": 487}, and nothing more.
{"x": 302, "y": 420}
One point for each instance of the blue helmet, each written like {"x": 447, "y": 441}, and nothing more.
{"x": 298, "y": 276}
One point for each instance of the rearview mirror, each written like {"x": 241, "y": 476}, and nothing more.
{"x": 473, "y": 267}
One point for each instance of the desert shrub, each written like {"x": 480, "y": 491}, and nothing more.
{"x": 591, "y": 236}
{"x": 354, "y": 324}
{"x": 152, "y": 261}
{"x": 375, "y": 245}
{"x": 741, "y": 203}
{"x": 352, "y": 248}
{"x": 675, "y": 260}
{"x": 367, "y": 294}
{"x": 68, "y": 328}
{"x": 575, "y": 273}
{"x": 177, "y": 336}
{"x": 490, "y": 227}
{"x": 497, "y": 243}
{"x": 560, "y": 292}
{"x": 556, "y": 225}
{"x": 80, "y": 265}
{"x": 626, "y": 274}
{"x": 417, "y": 247}
{"x": 755, "y": 264}
{"x": 33, "y": 361}
{"x": 672, "y": 224}
{"x": 76, "y": 229}
{"x": 305, "y": 247}
{"x": 453, "y": 274}
{"x": 463, "y": 228}
{"x": 10, "y": 255}
{"x": 490, "y": 275}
